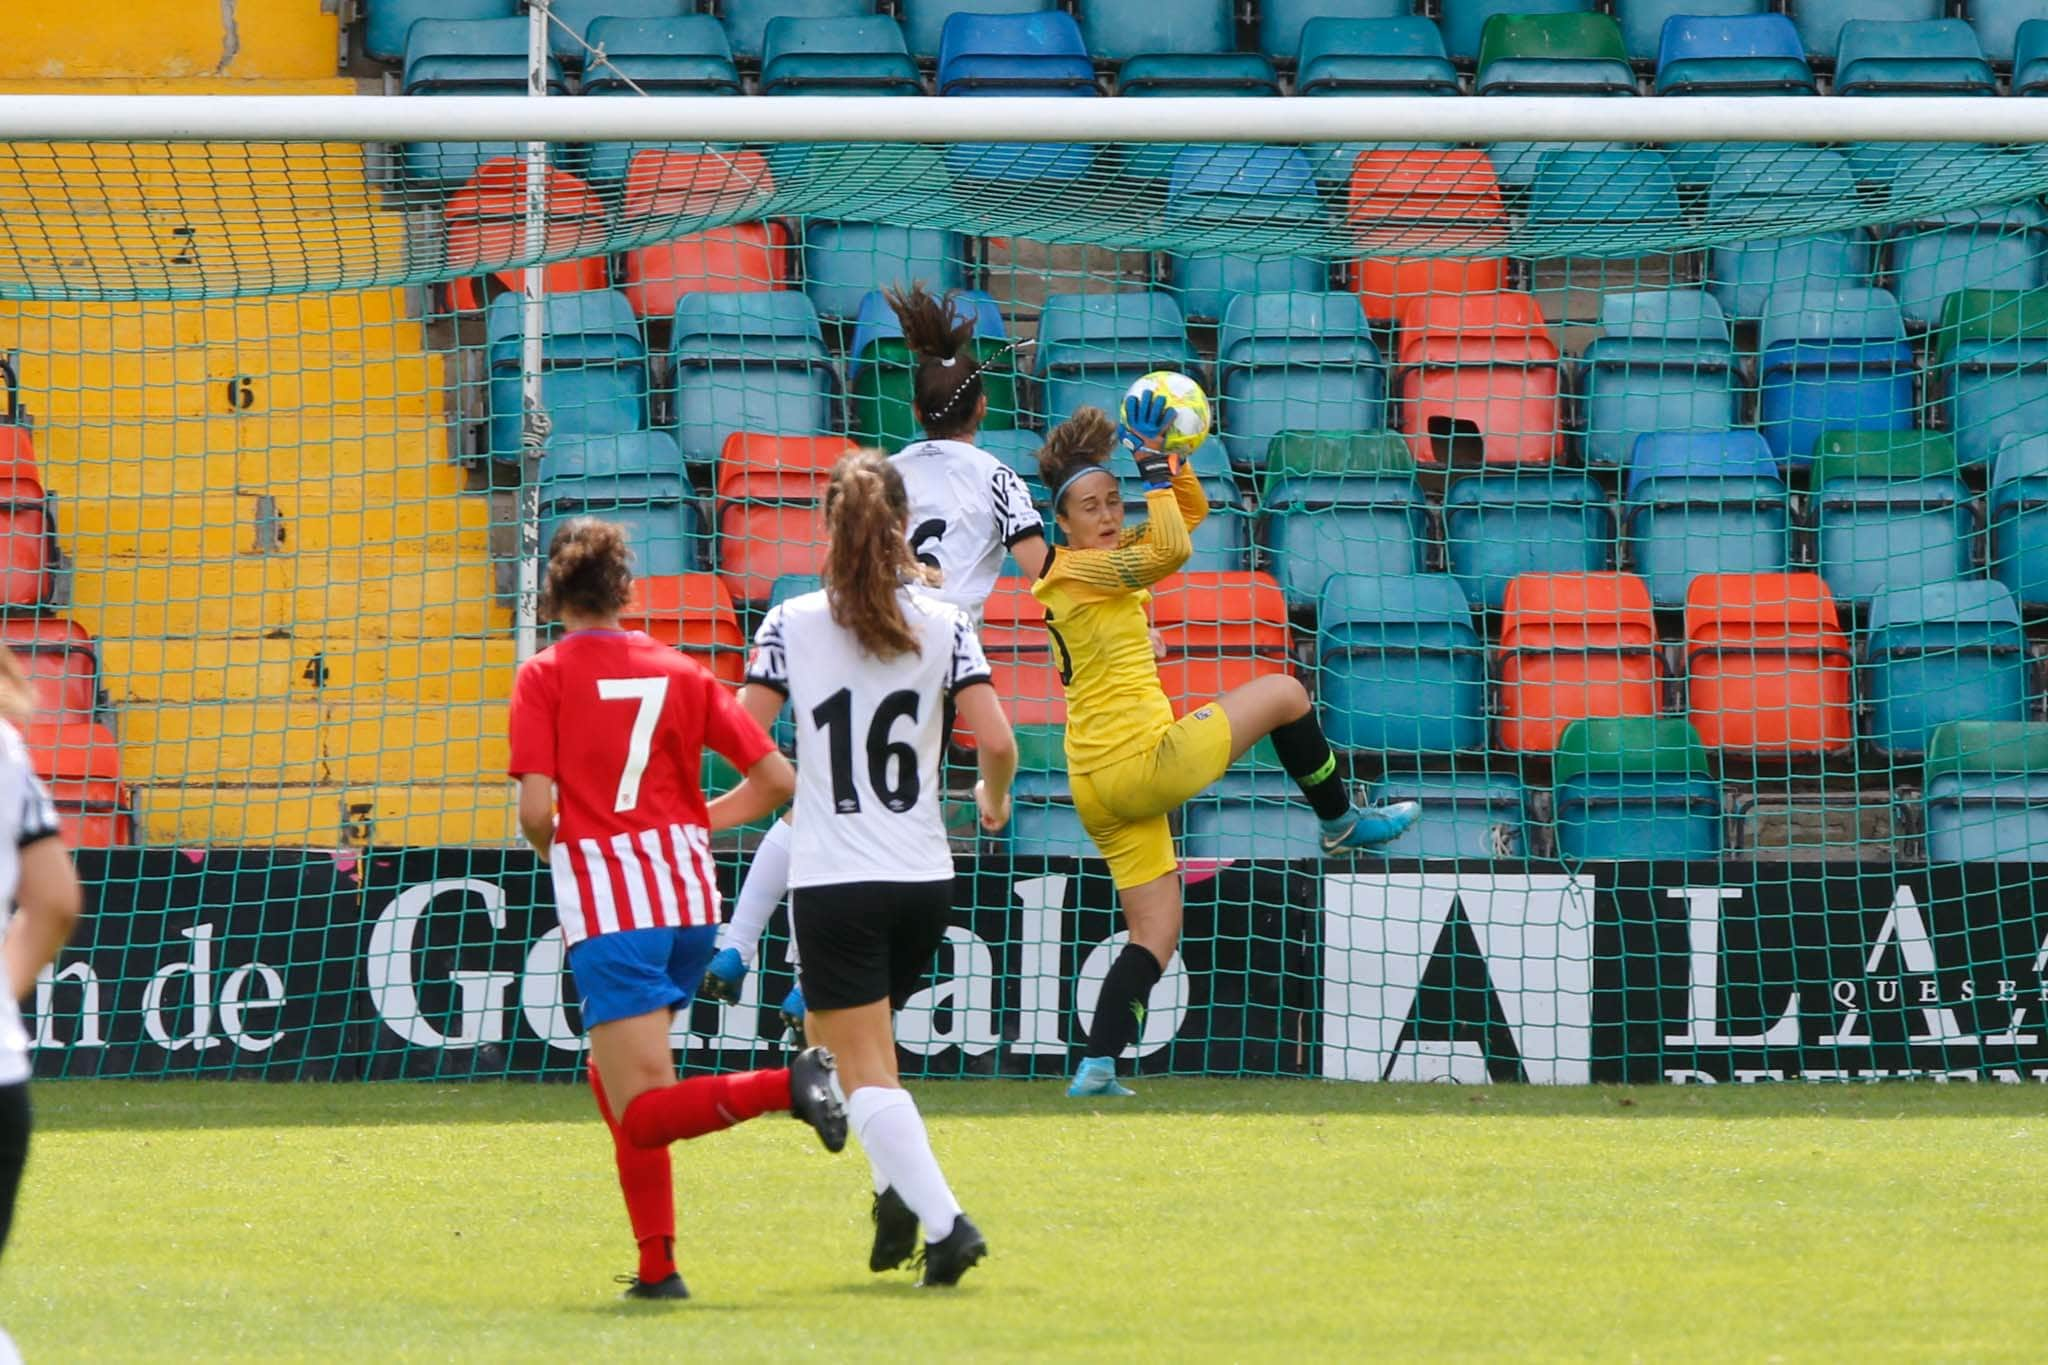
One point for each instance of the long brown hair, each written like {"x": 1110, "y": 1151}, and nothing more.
{"x": 867, "y": 558}
{"x": 590, "y": 570}
{"x": 946, "y": 384}
{"x": 1082, "y": 440}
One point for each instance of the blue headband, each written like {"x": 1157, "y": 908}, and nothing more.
{"x": 1060, "y": 494}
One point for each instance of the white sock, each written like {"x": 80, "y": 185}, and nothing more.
{"x": 766, "y": 882}
{"x": 892, "y": 1133}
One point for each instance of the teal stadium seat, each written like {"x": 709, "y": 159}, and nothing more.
{"x": 1043, "y": 823}
{"x": 1205, "y": 284}
{"x": 1990, "y": 362}
{"x": 1350, "y": 56}
{"x": 465, "y": 57}
{"x": 1889, "y": 513}
{"x": 387, "y": 22}
{"x": 1999, "y": 246}
{"x": 688, "y": 55}
{"x": 752, "y": 362}
{"x": 1635, "y": 787}
{"x": 593, "y": 367}
{"x": 2016, "y": 514}
{"x": 1223, "y": 542}
{"x": 1499, "y": 525}
{"x": 854, "y": 55}
{"x": 1197, "y": 75}
{"x": 844, "y": 262}
{"x": 1627, "y": 193}
{"x": 1116, "y": 30}
{"x": 1832, "y": 360}
{"x": 1820, "y": 22}
{"x": 1092, "y": 347}
{"x": 1749, "y": 183}
{"x": 1466, "y": 813}
{"x": 2030, "y": 58}
{"x": 1701, "y": 503}
{"x": 1400, "y": 668}
{"x": 1255, "y": 810}
{"x": 569, "y": 22}
{"x": 1997, "y": 23}
{"x": 1295, "y": 362}
{"x": 1941, "y": 652}
{"x": 1987, "y": 793}
{"x": 635, "y": 479}
{"x": 1913, "y": 57}
{"x": 1280, "y": 22}
{"x": 746, "y": 21}
{"x": 1743, "y": 51}
{"x": 1317, "y": 525}
{"x": 1017, "y": 448}
{"x": 1664, "y": 361}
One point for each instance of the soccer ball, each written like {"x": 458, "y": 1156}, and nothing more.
{"x": 1190, "y": 408}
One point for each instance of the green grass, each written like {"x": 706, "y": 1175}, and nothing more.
{"x": 1204, "y": 1220}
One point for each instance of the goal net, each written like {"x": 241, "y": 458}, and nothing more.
{"x": 1668, "y": 518}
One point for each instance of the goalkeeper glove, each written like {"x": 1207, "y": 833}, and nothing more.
{"x": 1146, "y": 420}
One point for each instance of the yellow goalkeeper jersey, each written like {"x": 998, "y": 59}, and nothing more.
{"x": 1101, "y": 640}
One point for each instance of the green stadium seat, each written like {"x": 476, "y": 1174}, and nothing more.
{"x": 880, "y": 371}
{"x": 1987, "y": 792}
{"x": 1337, "y": 454}
{"x": 1635, "y": 787}
{"x": 1573, "y": 53}
{"x": 1464, "y": 21}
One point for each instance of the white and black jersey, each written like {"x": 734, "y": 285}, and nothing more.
{"x": 967, "y": 508}
{"x": 870, "y": 736}
{"x": 26, "y": 816}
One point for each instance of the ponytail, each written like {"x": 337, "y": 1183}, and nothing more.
{"x": 946, "y": 383}
{"x": 867, "y": 558}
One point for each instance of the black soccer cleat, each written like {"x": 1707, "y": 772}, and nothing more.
{"x": 670, "y": 1288}
{"x": 953, "y": 1255}
{"x": 814, "y": 1096}
{"x": 895, "y": 1232}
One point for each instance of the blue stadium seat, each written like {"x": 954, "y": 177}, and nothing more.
{"x": 593, "y": 362}
{"x": 1498, "y": 525}
{"x": 570, "y": 21}
{"x": 1392, "y": 56}
{"x": 1399, "y": 667}
{"x": 1747, "y": 52}
{"x": 1091, "y": 347}
{"x": 1039, "y": 55}
{"x": 1281, "y": 22}
{"x": 844, "y": 262}
{"x": 386, "y": 22}
{"x": 1997, "y": 23}
{"x": 1465, "y": 814}
{"x": 1634, "y": 787}
{"x": 1214, "y": 185}
{"x": 1664, "y": 361}
{"x": 1991, "y": 365}
{"x": 1751, "y": 181}
{"x": 1295, "y": 362}
{"x": 2017, "y": 516}
{"x": 1832, "y": 360}
{"x": 465, "y": 57}
{"x": 856, "y": 55}
{"x": 2000, "y": 246}
{"x": 1191, "y": 75}
{"x": 1116, "y": 30}
{"x": 1915, "y": 57}
{"x": 1820, "y": 22}
{"x": 1255, "y": 810}
{"x": 924, "y": 21}
{"x": 1643, "y": 21}
{"x": 1322, "y": 524}
{"x": 680, "y": 56}
{"x": 1703, "y": 502}
{"x": 1205, "y": 284}
{"x": 1940, "y": 652}
{"x": 875, "y": 320}
{"x": 1889, "y": 514}
{"x": 1987, "y": 792}
{"x": 1464, "y": 21}
{"x": 746, "y": 21}
{"x": 747, "y": 362}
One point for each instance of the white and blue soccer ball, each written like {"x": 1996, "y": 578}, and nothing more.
{"x": 1190, "y": 408}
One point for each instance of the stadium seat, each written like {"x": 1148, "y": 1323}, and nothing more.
{"x": 61, "y": 661}
{"x": 465, "y": 57}
{"x": 1221, "y": 544}
{"x": 1643, "y": 21}
{"x": 1319, "y": 524}
{"x": 2017, "y": 517}
{"x": 1741, "y": 51}
{"x": 1477, "y": 376}
{"x": 1498, "y": 526}
{"x": 28, "y": 528}
{"x": 1335, "y": 454}
{"x": 1573, "y": 646}
{"x": 843, "y": 262}
{"x": 569, "y": 22}
{"x": 853, "y": 55}
{"x": 1889, "y": 514}
{"x": 1039, "y": 55}
{"x": 1749, "y": 182}
{"x": 747, "y": 362}
{"x": 1117, "y": 30}
{"x": 1400, "y": 669}
{"x": 1464, "y": 21}
{"x": 386, "y": 22}
{"x": 1020, "y": 658}
{"x": 1626, "y": 192}
{"x": 688, "y": 55}
{"x": 735, "y": 258}
{"x": 1255, "y": 810}
{"x": 1940, "y": 652}
{"x": 1663, "y": 362}
{"x": 1221, "y": 631}
{"x": 771, "y": 492}
{"x": 880, "y": 370}
{"x": 484, "y": 225}
{"x": 79, "y": 761}
{"x": 1392, "y": 55}
{"x": 1295, "y": 362}
{"x": 1999, "y": 247}
{"x": 746, "y": 21}
{"x": 1634, "y": 788}
{"x": 1091, "y": 347}
{"x": 594, "y": 367}
{"x": 1193, "y": 75}
{"x": 1987, "y": 792}
{"x": 1559, "y": 53}
{"x": 1430, "y": 203}
{"x": 2030, "y": 58}
{"x": 693, "y": 613}
{"x": 1017, "y": 448}
{"x": 1478, "y": 815}
{"x": 1281, "y": 23}
{"x": 1768, "y": 670}
{"x": 924, "y": 21}
{"x": 1224, "y": 186}
{"x": 1820, "y": 22}
{"x": 1914, "y": 57}
{"x": 1205, "y": 284}
{"x": 1042, "y": 819}
{"x": 1991, "y": 364}
{"x": 1997, "y": 23}
{"x": 1702, "y": 502}
{"x": 683, "y": 184}
{"x": 1832, "y": 359}
{"x": 633, "y": 478}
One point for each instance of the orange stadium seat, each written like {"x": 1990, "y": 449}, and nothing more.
{"x": 1478, "y": 368}
{"x": 1022, "y": 666}
{"x": 486, "y": 225}
{"x": 1423, "y": 201}
{"x": 1768, "y": 664}
{"x": 62, "y": 665}
{"x": 25, "y": 524}
{"x": 737, "y": 258}
{"x": 693, "y": 613}
{"x": 1574, "y": 646}
{"x": 1222, "y": 629}
{"x": 80, "y": 762}
{"x": 695, "y": 184}
{"x": 771, "y": 492}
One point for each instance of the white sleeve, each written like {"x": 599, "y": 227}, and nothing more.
{"x": 38, "y": 812}
{"x": 1016, "y": 518}
{"x": 769, "y": 665}
{"x": 969, "y": 664}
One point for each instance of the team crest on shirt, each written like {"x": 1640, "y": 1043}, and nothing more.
{"x": 1203, "y": 714}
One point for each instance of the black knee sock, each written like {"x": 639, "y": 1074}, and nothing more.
{"x": 1306, "y": 756}
{"x": 1120, "y": 1012}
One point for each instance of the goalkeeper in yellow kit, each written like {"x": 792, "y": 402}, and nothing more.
{"x": 1130, "y": 763}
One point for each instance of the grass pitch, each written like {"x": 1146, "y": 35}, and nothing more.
{"x": 1250, "y": 1220}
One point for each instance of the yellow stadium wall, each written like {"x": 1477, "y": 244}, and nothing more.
{"x": 158, "y": 39}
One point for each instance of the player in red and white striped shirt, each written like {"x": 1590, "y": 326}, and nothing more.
{"x": 608, "y": 729}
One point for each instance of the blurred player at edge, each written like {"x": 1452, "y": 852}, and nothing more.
{"x": 966, "y": 507}
{"x": 870, "y": 666}
{"x": 608, "y": 728}
{"x": 40, "y": 900}
{"x": 1130, "y": 763}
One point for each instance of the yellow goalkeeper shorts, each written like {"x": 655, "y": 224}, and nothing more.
{"x": 1124, "y": 806}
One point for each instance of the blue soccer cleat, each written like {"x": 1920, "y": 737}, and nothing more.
{"x": 1369, "y": 826}
{"x": 1097, "y": 1076}
{"x": 724, "y": 977}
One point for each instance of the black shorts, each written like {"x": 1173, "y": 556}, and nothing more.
{"x": 859, "y": 942}
{"x": 15, "y": 1122}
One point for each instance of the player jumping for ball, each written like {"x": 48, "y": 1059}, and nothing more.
{"x": 1130, "y": 763}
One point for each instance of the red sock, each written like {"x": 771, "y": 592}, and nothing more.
{"x": 703, "y": 1104}
{"x": 650, "y": 1192}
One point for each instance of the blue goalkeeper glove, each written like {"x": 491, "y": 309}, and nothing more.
{"x": 1146, "y": 420}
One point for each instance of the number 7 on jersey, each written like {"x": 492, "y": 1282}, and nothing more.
{"x": 650, "y": 693}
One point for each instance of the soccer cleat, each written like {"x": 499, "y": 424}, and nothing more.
{"x": 953, "y": 1255}
{"x": 793, "y": 1013}
{"x": 1369, "y": 826}
{"x": 895, "y": 1232}
{"x": 814, "y": 1096}
{"x": 670, "y": 1288}
{"x": 1097, "y": 1076}
{"x": 724, "y": 977}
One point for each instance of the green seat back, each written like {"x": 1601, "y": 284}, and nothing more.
{"x": 1983, "y": 316}
{"x": 1985, "y": 746}
{"x": 1883, "y": 455}
{"x": 1561, "y": 37}
{"x": 881, "y": 408}
{"x": 1656, "y": 746}
{"x": 1307, "y": 453}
